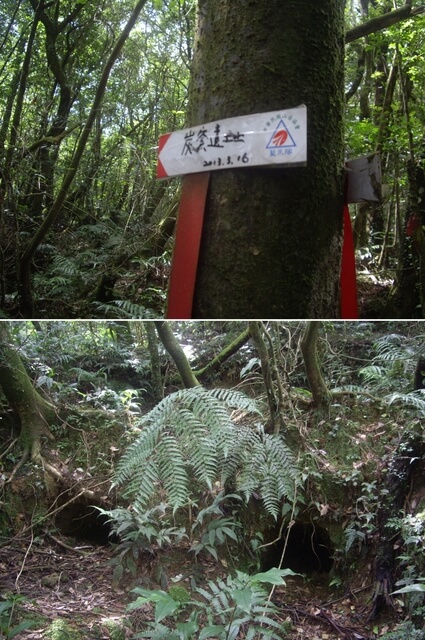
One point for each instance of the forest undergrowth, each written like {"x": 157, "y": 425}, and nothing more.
{"x": 246, "y": 536}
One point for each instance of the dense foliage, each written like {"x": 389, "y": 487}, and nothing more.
{"x": 107, "y": 251}
{"x": 183, "y": 470}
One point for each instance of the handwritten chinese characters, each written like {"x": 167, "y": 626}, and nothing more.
{"x": 201, "y": 140}
{"x": 274, "y": 138}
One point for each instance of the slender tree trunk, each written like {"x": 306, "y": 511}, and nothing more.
{"x": 315, "y": 379}
{"x": 276, "y": 423}
{"x": 157, "y": 382}
{"x": 171, "y": 344}
{"x": 272, "y": 237}
{"x": 34, "y": 412}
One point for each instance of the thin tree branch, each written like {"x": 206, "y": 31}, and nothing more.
{"x": 383, "y": 22}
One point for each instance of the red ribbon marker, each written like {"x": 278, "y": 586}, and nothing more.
{"x": 348, "y": 284}
{"x": 187, "y": 244}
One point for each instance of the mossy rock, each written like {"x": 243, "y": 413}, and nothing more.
{"x": 179, "y": 594}
{"x": 60, "y": 630}
{"x": 115, "y": 629}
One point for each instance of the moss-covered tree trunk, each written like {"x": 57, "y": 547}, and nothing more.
{"x": 171, "y": 344}
{"x": 224, "y": 355}
{"x": 34, "y": 412}
{"x": 318, "y": 388}
{"x": 405, "y": 466}
{"x": 272, "y": 237}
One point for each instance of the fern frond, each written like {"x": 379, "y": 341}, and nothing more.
{"x": 190, "y": 435}
{"x": 130, "y": 309}
{"x": 373, "y": 373}
{"x": 392, "y": 348}
{"x": 145, "y": 483}
{"x": 270, "y": 493}
{"x": 65, "y": 266}
{"x": 414, "y": 399}
{"x": 271, "y": 467}
{"x": 219, "y": 601}
{"x": 236, "y": 400}
{"x": 137, "y": 453}
{"x": 172, "y": 471}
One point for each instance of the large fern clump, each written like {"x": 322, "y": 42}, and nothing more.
{"x": 189, "y": 439}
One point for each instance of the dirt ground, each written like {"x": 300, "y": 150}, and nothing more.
{"x": 75, "y": 584}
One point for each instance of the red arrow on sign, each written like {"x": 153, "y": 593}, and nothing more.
{"x": 160, "y": 170}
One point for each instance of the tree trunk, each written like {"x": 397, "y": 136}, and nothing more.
{"x": 272, "y": 237}
{"x": 34, "y": 412}
{"x": 224, "y": 354}
{"x": 315, "y": 379}
{"x": 155, "y": 363}
{"x": 398, "y": 484}
{"x": 276, "y": 422}
{"x": 171, "y": 344}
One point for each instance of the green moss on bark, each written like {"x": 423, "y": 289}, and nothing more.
{"x": 34, "y": 412}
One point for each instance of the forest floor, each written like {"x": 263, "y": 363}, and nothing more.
{"x": 70, "y": 589}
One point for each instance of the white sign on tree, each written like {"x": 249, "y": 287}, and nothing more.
{"x": 276, "y": 138}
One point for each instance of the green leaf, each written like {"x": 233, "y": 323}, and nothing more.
{"x": 273, "y": 576}
{"x": 213, "y": 630}
{"x": 25, "y": 624}
{"x": 190, "y": 627}
{"x": 165, "y": 607}
{"x": 233, "y": 631}
{"x": 243, "y": 599}
{"x": 411, "y": 588}
{"x": 212, "y": 551}
{"x": 230, "y": 533}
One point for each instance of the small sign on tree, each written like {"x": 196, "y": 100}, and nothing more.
{"x": 276, "y": 138}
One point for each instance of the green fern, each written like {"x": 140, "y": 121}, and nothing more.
{"x": 232, "y": 607}
{"x": 414, "y": 399}
{"x": 65, "y": 266}
{"x": 190, "y": 436}
{"x": 393, "y": 348}
{"x": 242, "y": 602}
{"x": 122, "y": 309}
{"x": 373, "y": 373}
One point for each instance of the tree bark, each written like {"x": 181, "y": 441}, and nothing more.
{"x": 155, "y": 365}
{"x": 276, "y": 422}
{"x": 318, "y": 388}
{"x": 34, "y": 412}
{"x": 399, "y": 481}
{"x": 272, "y": 237}
{"x": 224, "y": 355}
{"x": 171, "y": 344}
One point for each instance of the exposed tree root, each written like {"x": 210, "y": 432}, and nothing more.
{"x": 17, "y": 466}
